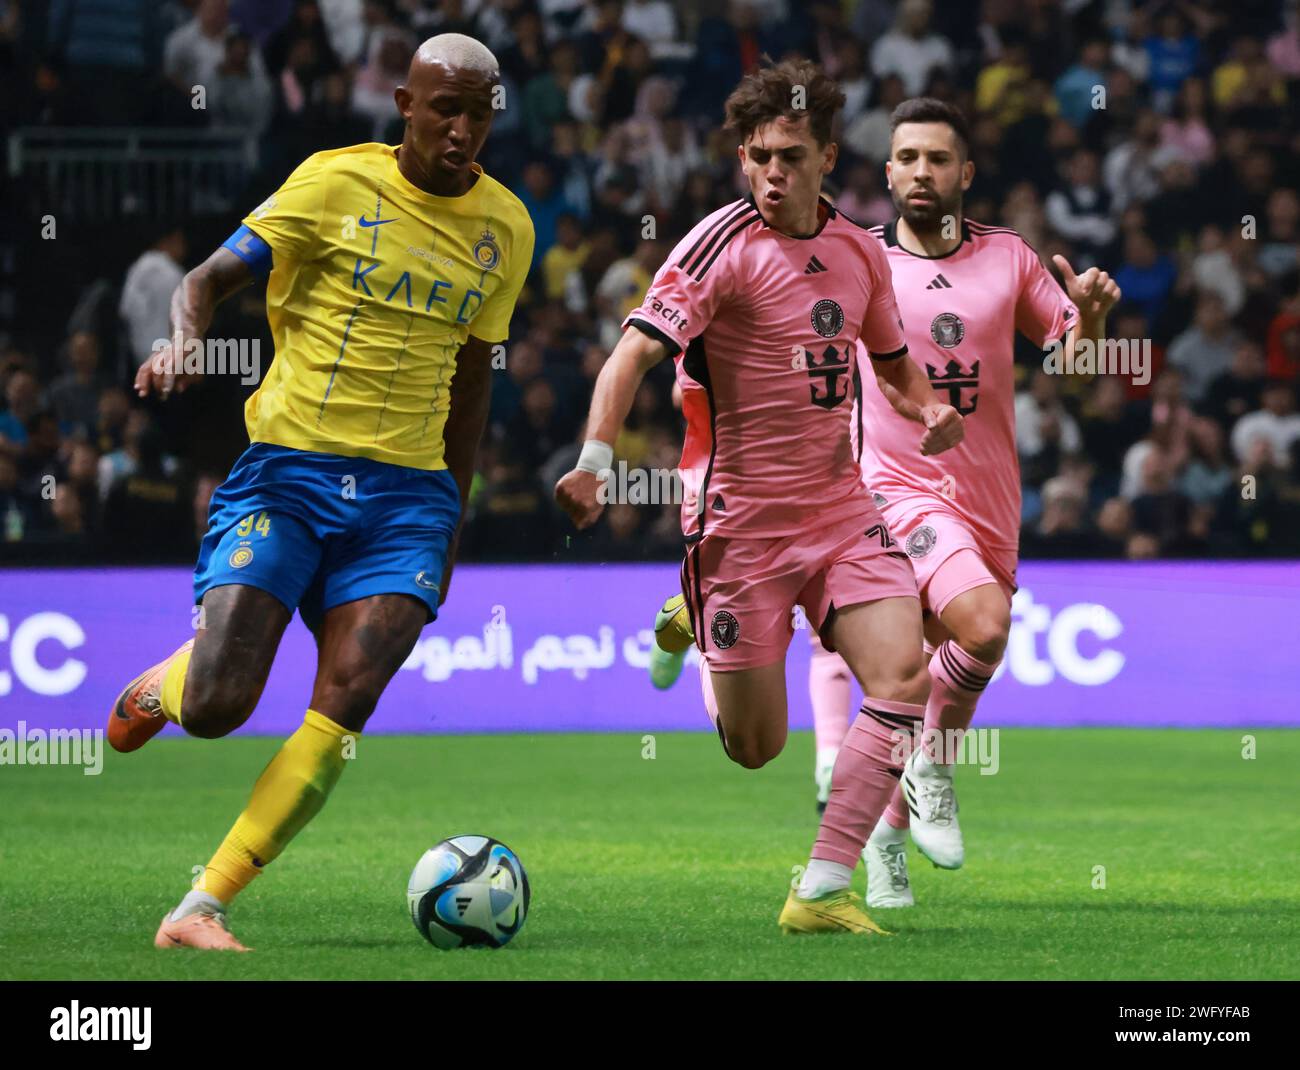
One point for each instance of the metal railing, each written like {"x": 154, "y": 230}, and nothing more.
{"x": 114, "y": 172}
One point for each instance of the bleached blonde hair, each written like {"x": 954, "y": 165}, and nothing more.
{"x": 459, "y": 52}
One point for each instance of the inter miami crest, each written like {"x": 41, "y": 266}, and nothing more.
{"x": 831, "y": 373}
{"x": 947, "y": 330}
{"x": 725, "y": 630}
{"x": 955, "y": 379}
{"x": 827, "y": 318}
{"x": 921, "y": 541}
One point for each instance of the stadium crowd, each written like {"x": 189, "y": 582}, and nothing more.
{"x": 1156, "y": 139}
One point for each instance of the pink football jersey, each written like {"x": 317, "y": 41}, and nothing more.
{"x": 764, "y": 328}
{"x": 961, "y": 312}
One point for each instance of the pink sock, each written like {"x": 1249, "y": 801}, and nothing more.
{"x": 866, "y": 774}
{"x": 711, "y": 702}
{"x": 896, "y": 812}
{"x": 830, "y": 688}
{"x": 956, "y": 682}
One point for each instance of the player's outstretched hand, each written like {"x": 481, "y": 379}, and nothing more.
{"x": 576, "y": 495}
{"x": 1094, "y": 293}
{"x": 944, "y": 428}
{"x": 164, "y": 371}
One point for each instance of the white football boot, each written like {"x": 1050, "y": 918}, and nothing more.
{"x": 927, "y": 789}
{"x": 885, "y": 856}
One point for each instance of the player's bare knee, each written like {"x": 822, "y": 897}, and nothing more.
{"x": 215, "y": 707}
{"x": 985, "y": 636}
{"x": 348, "y": 702}
{"x": 909, "y": 682}
{"x": 751, "y": 756}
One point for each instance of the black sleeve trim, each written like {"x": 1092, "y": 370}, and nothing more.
{"x": 655, "y": 333}
{"x": 889, "y": 356}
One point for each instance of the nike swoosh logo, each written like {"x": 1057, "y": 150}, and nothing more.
{"x": 375, "y": 222}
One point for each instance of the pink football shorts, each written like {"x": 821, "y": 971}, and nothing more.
{"x": 933, "y": 536}
{"x": 742, "y": 592}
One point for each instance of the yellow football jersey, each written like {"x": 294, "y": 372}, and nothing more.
{"x": 374, "y": 287}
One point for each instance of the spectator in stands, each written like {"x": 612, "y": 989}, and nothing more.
{"x": 1207, "y": 475}
{"x": 1206, "y": 349}
{"x": 1045, "y": 430}
{"x": 74, "y": 395}
{"x": 1076, "y": 91}
{"x": 1114, "y": 528}
{"x": 106, "y": 50}
{"x": 19, "y": 509}
{"x": 565, "y": 257}
{"x": 1079, "y": 208}
{"x": 194, "y": 51}
{"x": 388, "y": 57}
{"x": 22, "y": 403}
{"x": 623, "y": 286}
{"x": 1174, "y": 55}
{"x": 911, "y": 50}
{"x": 546, "y": 97}
{"x": 512, "y": 517}
{"x": 139, "y": 436}
{"x": 1160, "y": 510}
{"x": 1109, "y": 426}
{"x": 651, "y": 21}
{"x": 145, "y": 305}
{"x": 1236, "y": 391}
{"x": 1186, "y": 130}
{"x": 1146, "y": 277}
{"x": 1275, "y": 422}
{"x": 110, "y": 427}
{"x": 147, "y": 510}
{"x": 869, "y": 134}
{"x": 545, "y": 203}
{"x": 1063, "y": 529}
{"x": 304, "y": 28}
{"x": 1132, "y": 168}
{"x": 241, "y": 96}
{"x": 1279, "y": 249}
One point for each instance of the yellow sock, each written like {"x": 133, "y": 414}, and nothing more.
{"x": 173, "y": 687}
{"x": 289, "y": 793}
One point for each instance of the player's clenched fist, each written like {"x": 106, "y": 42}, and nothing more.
{"x": 576, "y": 494}
{"x": 944, "y": 428}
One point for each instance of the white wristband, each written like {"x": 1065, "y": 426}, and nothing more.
{"x": 596, "y": 457}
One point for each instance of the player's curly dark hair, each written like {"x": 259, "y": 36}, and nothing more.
{"x": 769, "y": 93}
{"x": 931, "y": 110}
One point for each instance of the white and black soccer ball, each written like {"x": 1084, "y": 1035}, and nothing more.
{"x": 468, "y": 891}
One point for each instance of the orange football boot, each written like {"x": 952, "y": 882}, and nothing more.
{"x": 203, "y": 930}
{"x": 137, "y": 715}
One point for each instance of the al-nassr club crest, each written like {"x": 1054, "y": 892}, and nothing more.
{"x": 487, "y": 254}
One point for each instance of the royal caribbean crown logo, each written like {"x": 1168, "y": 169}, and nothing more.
{"x": 486, "y": 251}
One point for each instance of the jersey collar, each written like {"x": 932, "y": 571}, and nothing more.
{"x": 433, "y": 198}
{"x": 891, "y": 240}
{"x": 825, "y": 213}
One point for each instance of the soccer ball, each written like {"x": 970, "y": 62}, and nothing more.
{"x": 468, "y": 891}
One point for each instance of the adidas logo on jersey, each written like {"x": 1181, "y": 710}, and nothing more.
{"x": 814, "y": 266}
{"x": 939, "y": 283}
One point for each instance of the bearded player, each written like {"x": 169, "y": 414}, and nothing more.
{"x": 762, "y": 305}
{"x": 392, "y": 270}
{"x": 963, "y": 289}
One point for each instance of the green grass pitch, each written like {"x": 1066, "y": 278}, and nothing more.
{"x": 671, "y": 867}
